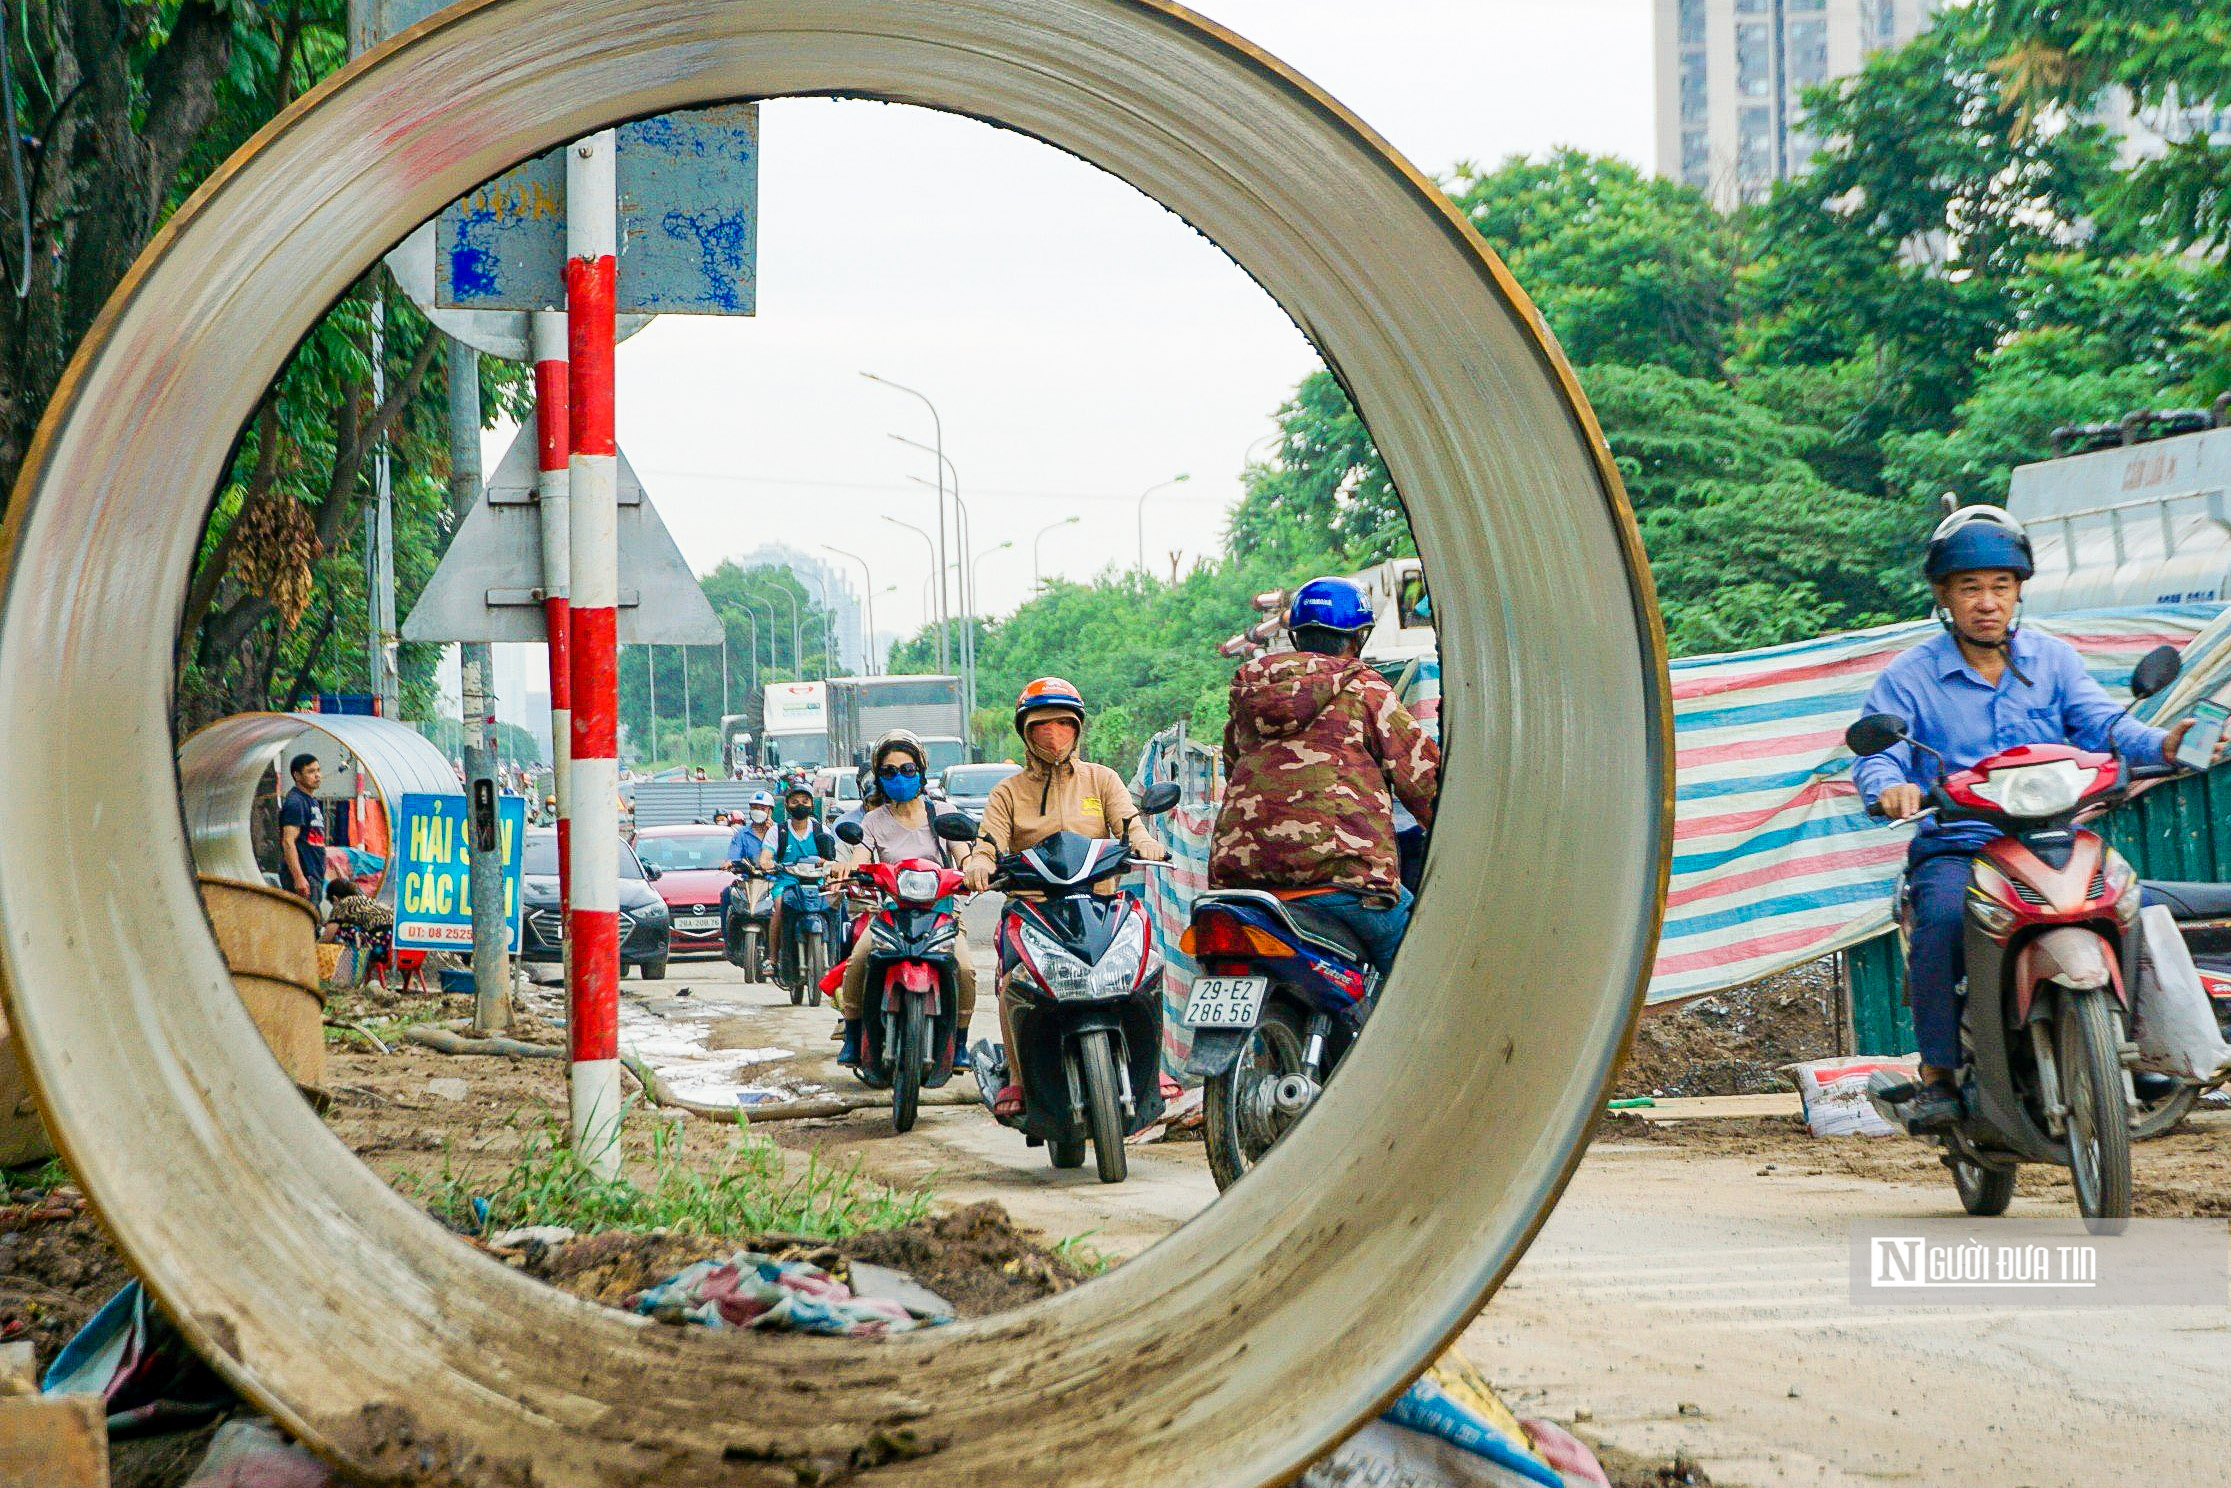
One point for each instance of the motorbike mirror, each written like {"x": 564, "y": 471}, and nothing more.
{"x": 1159, "y": 797}
{"x": 1875, "y": 733}
{"x": 849, "y": 832}
{"x": 954, "y": 826}
{"x": 2156, "y": 670}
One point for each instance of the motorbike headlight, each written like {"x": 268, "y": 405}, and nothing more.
{"x": 1118, "y": 970}
{"x": 2037, "y": 790}
{"x": 918, "y": 884}
{"x": 1063, "y": 974}
{"x": 1995, "y": 918}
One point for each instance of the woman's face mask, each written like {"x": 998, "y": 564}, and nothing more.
{"x": 901, "y": 781}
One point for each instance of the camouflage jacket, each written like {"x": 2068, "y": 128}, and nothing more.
{"x": 1311, "y": 748}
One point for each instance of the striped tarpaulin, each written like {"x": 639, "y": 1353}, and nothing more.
{"x": 1774, "y": 862}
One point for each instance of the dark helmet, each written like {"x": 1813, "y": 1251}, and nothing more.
{"x": 1330, "y": 604}
{"x": 1975, "y": 538}
{"x": 1049, "y": 695}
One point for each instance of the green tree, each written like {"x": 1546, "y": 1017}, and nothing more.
{"x": 1625, "y": 267}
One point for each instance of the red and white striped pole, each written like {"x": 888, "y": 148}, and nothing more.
{"x": 593, "y": 896}
{"x": 554, "y": 442}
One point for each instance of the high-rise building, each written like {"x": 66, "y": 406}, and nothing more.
{"x": 1731, "y": 75}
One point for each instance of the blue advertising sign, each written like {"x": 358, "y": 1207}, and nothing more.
{"x": 688, "y": 225}
{"x": 434, "y": 897}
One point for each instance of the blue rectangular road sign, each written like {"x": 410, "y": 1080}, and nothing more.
{"x": 688, "y": 229}
{"x": 433, "y": 898}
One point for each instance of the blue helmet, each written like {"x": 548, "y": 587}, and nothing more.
{"x": 1330, "y": 604}
{"x": 1978, "y": 537}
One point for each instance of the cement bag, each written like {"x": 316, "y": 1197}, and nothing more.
{"x": 1834, "y": 1092}
{"x": 2176, "y": 1024}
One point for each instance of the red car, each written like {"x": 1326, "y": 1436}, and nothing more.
{"x": 692, "y": 864}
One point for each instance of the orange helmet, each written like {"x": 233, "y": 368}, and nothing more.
{"x": 1049, "y": 695}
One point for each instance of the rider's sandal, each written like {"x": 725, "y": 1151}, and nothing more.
{"x": 1009, "y": 1101}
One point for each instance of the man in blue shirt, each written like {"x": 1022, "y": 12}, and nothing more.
{"x": 1982, "y": 686}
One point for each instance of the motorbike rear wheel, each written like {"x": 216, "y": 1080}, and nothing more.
{"x": 815, "y": 965}
{"x": 906, "y": 1065}
{"x": 1240, "y": 1123}
{"x": 2091, "y": 1078}
{"x": 2160, "y": 1117}
{"x": 1983, "y": 1191}
{"x": 1103, "y": 1106}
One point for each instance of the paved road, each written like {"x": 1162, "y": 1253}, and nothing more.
{"x": 1668, "y": 1278}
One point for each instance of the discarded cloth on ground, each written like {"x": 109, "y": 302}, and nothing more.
{"x": 1449, "y": 1430}
{"x": 257, "y": 1454}
{"x": 749, "y": 1290}
{"x": 131, "y": 1356}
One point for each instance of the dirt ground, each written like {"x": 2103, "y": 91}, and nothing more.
{"x": 1732, "y": 1043}
{"x": 2184, "y": 1175}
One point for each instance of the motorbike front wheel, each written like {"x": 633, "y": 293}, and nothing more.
{"x": 1103, "y": 1106}
{"x": 1983, "y": 1191}
{"x": 2091, "y": 1078}
{"x": 816, "y": 967}
{"x": 1241, "y": 1122}
{"x": 906, "y": 1065}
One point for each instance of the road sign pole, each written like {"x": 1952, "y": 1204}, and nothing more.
{"x": 593, "y": 903}
{"x": 553, "y": 444}
{"x": 476, "y": 668}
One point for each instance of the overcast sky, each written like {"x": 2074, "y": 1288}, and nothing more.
{"x": 1081, "y": 343}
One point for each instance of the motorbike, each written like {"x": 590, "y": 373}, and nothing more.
{"x": 808, "y": 927}
{"x": 1283, "y": 992}
{"x": 745, "y": 932}
{"x": 1088, "y": 984}
{"x": 911, "y": 1025}
{"x": 2050, "y": 937}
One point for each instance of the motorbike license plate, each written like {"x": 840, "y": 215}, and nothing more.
{"x": 697, "y": 922}
{"x": 1225, "y": 1002}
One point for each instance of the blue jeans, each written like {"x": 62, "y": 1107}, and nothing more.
{"x": 1936, "y": 957}
{"x": 1380, "y": 930}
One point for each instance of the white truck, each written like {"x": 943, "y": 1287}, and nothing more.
{"x": 794, "y": 728}
{"x": 2130, "y": 524}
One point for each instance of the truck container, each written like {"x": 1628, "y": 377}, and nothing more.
{"x": 794, "y": 730}
{"x": 864, "y": 709}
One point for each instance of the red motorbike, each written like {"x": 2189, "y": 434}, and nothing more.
{"x": 911, "y": 1026}
{"x": 2052, "y": 957}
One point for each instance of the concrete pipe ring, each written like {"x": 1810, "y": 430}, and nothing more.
{"x": 1230, "y": 1354}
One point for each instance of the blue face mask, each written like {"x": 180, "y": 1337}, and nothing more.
{"x": 900, "y": 787}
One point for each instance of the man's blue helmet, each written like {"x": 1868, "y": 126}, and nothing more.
{"x": 1330, "y": 604}
{"x": 1978, "y": 537}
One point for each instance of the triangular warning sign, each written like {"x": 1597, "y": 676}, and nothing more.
{"x": 488, "y": 586}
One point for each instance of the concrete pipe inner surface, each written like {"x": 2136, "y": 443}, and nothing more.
{"x": 1230, "y": 1354}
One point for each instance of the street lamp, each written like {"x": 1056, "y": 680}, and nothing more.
{"x": 1143, "y": 495}
{"x": 867, "y": 601}
{"x": 1037, "y": 571}
{"x": 938, "y": 423}
{"x": 964, "y": 531}
{"x": 929, "y": 618}
{"x": 773, "y": 629}
{"x": 976, "y": 564}
{"x": 797, "y": 649}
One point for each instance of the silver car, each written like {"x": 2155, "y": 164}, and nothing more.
{"x": 968, "y": 787}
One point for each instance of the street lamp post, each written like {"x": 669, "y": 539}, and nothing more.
{"x": 938, "y": 424}
{"x": 1143, "y": 495}
{"x": 1037, "y": 568}
{"x": 928, "y": 618}
{"x": 976, "y": 564}
{"x": 867, "y": 606}
{"x": 773, "y": 629}
{"x": 797, "y": 647}
{"x": 964, "y": 531}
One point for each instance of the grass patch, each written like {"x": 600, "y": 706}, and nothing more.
{"x": 1080, "y": 1252}
{"x": 750, "y": 1192}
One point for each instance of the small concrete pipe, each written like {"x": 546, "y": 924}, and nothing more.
{"x": 1227, "y": 1356}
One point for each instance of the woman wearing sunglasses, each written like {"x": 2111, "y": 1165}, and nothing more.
{"x": 895, "y": 828}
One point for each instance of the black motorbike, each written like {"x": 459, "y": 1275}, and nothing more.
{"x": 744, "y": 931}
{"x": 808, "y": 932}
{"x": 1088, "y": 985}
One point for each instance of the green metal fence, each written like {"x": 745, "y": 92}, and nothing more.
{"x": 2179, "y": 829}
